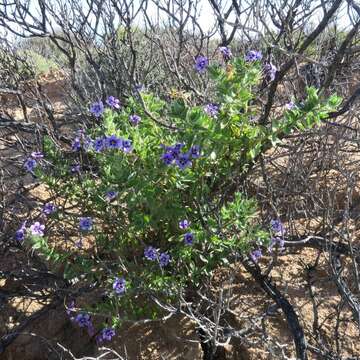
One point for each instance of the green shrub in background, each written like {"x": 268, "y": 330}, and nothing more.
{"x": 41, "y": 64}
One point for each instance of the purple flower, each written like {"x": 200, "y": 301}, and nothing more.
{"x": 134, "y": 119}
{"x": 70, "y": 308}
{"x": 270, "y": 71}
{"x": 167, "y": 158}
{"x": 85, "y": 223}
{"x": 83, "y": 320}
{"x": 113, "y": 102}
{"x": 113, "y": 142}
{"x": 37, "y": 229}
{"x": 139, "y": 87}
{"x": 75, "y": 168}
{"x": 111, "y": 195}
{"x": 88, "y": 143}
{"x": 164, "y": 259}
{"x": 253, "y": 55}
{"x": 277, "y": 241}
{"x": 212, "y": 110}
{"x": 20, "y": 233}
{"x": 290, "y": 105}
{"x": 174, "y": 153}
{"x": 225, "y": 52}
{"x": 177, "y": 148}
{"x": 256, "y": 255}
{"x": 184, "y": 224}
{"x": 79, "y": 244}
{"x": 106, "y": 334}
{"x": 30, "y": 164}
{"x": 189, "y": 238}
{"x": 201, "y": 63}
{"x": 97, "y": 108}
{"x": 119, "y": 285}
{"x": 183, "y": 161}
{"x": 195, "y": 151}
{"x": 49, "y": 208}
{"x": 277, "y": 227}
{"x": 99, "y": 144}
{"x": 76, "y": 144}
{"x": 37, "y": 155}
{"x": 150, "y": 253}
{"x": 126, "y": 146}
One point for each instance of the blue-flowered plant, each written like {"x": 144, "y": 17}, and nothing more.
{"x": 152, "y": 202}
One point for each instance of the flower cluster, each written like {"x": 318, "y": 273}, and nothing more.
{"x": 85, "y": 223}
{"x": 201, "y": 64}
{"x": 81, "y": 141}
{"x": 119, "y": 285}
{"x": 113, "y": 102}
{"x": 111, "y": 195}
{"x": 31, "y": 162}
{"x": 20, "y": 233}
{"x": 135, "y": 119}
{"x": 152, "y": 254}
{"x": 83, "y": 320}
{"x": 76, "y": 144}
{"x": 99, "y": 144}
{"x": 112, "y": 142}
{"x": 37, "y": 229}
{"x": 189, "y": 236}
{"x": 173, "y": 155}
{"x": 277, "y": 227}
{"x": 225, "y": 52}
{"x": 290, "y": 105}
{"x": 277, "y": 242}
{"x": 256, "y": 255}
{"x": 278, "y": 230}
{"x": 164, "y": 259}
{"x": 184, "y": 224}
{"x": 49, "y": 209}
{"x": 253, "y": 55}
{"x": 212, "y": 110}
{"x": 98, "y": 108}
{"x": 106, "y": 334}
{"x": 75, "y": 169}
{"x": 70, "y": 309}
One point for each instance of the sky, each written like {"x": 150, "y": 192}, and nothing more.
{"x": 206, "y": 15}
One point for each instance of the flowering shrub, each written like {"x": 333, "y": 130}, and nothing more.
{"x": 151, "y": 201}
